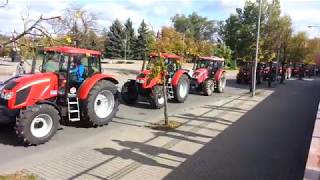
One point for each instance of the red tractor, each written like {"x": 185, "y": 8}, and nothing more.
{"x": 39, "y": 102}
{"x": 178, "y": 83}
{"x": 208, "y": 75}
{"x": 245, "y": 73}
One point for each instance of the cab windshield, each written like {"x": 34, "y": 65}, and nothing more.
{"x": 54, "y": 62}
{"x": 209, "y": 64}
{"x": 171, "y": 64}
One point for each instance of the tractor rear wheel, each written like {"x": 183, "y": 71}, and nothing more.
{"x": 101, "y": 105}
{"x": 129, "y": 93}
{"x": 181, "y": 91}
{"x": 221, "y": 84}
{"x": 157, "y": 99}
{"x": 208, "y": 87}
{"x": 36, "y": 125}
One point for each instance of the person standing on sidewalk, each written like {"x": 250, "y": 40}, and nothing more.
{"x": 20, "y": 68}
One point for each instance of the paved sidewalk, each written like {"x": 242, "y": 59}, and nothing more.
{"x": 142, "y": 153}
{"x": 312, "y": 171}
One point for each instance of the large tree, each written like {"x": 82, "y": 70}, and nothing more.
{"x": 129, "y": 40}
{"x": 115, "y": 43}
{"x": 79, "y": 25}
{"x": 195, "y": 26}
{"x": 141, "y": 48}
{"x": 239, "y": 31}
{"x": 298, "y": 48}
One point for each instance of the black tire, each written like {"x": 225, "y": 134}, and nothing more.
{"x": 155, "y": 96}
{"x": 221, "y": 84}
{"x": 26, "y": 118}
{"x": 208, "y": 87}
{"x": 177, "y": 96}
{"x": 89, "y": 116}
{"x": 129, "y": 93}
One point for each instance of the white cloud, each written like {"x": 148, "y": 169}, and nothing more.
{"x": 232, "y": 3}
{"x": 114, "y": 11}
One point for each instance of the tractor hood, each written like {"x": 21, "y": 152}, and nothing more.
{"x": 30, "y": 78}
{"x": 26, "y": 90}
{"x": 143, "y": 75}
{"x": 200, "y": 72}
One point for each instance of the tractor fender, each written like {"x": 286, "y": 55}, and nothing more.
{"x": 90, "y": 82}
{"x": 176, "y": 77}
{"x": 52, "y": 104}
{"x": 218, "y": 74}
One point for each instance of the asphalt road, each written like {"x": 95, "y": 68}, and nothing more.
{"x": 269, "y": 142}
{"x": 12, "y": 153}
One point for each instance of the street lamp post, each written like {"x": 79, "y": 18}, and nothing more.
{"x": 254, "y": 74}
{"x": 315, "y": 26}
{"x": 125, "y": 47}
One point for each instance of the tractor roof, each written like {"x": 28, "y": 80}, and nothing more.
{"x": 211, "y": 58}
{"x": 72, "y": 50}
{"x": 166, "y": 55}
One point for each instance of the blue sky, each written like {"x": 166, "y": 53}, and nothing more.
{"x": 156, "y": 13}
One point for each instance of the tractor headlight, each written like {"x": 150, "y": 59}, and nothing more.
{"x": 6, "y": 96}
{"x": 140, "y": 81}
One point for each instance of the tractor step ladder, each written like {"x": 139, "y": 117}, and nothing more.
{"x": 73, "y": 108}
{"x": 170, "y": 89}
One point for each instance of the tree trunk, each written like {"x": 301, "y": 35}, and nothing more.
{"x": 166, "y": 120}
{"x": 144, "y": 62}
{"x": 33, "y": 65}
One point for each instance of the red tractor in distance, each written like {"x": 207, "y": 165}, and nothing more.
{"x": 39, "y": 102}
{"x": 245, "y": 73}
{"x": 208, "y": 75}
{"x": 178, "y": 83}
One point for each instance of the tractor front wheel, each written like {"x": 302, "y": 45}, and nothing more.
{"x": 157, "y": 99}
{"x": 129, "y": 93}
{"x": 36, "y": 125}
{"x": 208, "y": 87}
{"x": 181, "y": 91}
{"x": 101, "y": 105}
{"x": 221, "y": 84}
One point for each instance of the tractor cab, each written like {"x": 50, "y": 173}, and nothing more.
{"x": 71, "y": 65}
{"x": 171, "y": 61}
{"x": 207, "y": 66}
{"x": 210, "y": 63}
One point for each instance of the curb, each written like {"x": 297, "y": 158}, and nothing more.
{"x": 312, "y": 170}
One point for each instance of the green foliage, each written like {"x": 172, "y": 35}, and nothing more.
{"x": 239, "y": 31}
{"x": 151, "y": 41}
{"x": 224, "y": 52}
{"x": 298, "y": 48}
{"x": 130, "y": 39}
{"x": 195, "y": 26}
{"x": 170, "y": 41}
{"x": 115, "y": 44}
{"x": 158, "y": 67}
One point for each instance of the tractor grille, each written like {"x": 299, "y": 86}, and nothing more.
{"x": 142, "y": 91}
{"x": 3, "y": 102}
{"x": 22, "y": 95}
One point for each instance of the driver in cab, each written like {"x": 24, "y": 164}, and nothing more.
{"x": 77, "y": 71}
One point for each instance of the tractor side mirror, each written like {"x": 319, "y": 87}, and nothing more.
{"x": 40, "y": 68}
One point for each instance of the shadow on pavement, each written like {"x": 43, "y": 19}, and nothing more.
{"x": 271, "y": 141}
{"x": 8, "y": 135}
